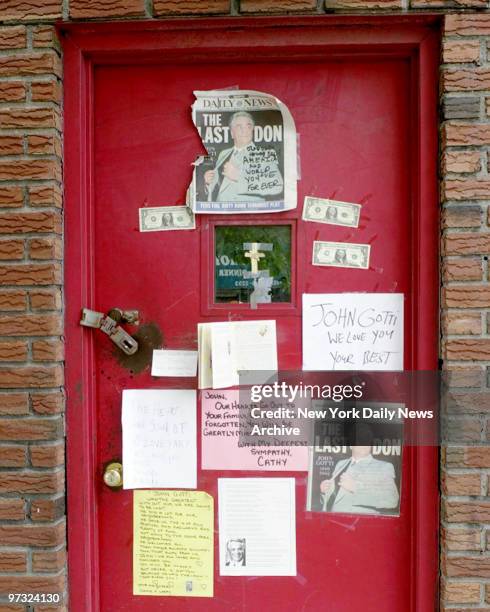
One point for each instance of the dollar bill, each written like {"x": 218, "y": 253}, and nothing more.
{"x": 341, "y": 254}
{"x": 163, "y": 218}
{"x": 332, "y": 212}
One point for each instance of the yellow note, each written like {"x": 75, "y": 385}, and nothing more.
{"x": 173, "y": 543}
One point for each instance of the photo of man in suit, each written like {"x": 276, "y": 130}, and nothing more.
{"x": 235, "y": 552}
{"x": 361, "y": 484}
{"x": 244, "y": 172}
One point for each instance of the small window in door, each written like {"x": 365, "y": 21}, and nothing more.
{"x": 252, "y": 264}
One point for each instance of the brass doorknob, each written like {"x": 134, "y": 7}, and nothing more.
{"x": 113, "y": 476}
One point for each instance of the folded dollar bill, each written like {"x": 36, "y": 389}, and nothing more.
{"x": 162, "y": 218}
{"x": 332, "y": 212}
{"x": 341, "y": 254}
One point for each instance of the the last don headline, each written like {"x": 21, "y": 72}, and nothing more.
{"x": 261, "y": 409}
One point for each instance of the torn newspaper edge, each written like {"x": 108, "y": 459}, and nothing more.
{"x": 251, "y": 166}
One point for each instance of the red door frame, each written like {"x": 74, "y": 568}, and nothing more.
{"x": 87, "y": 45}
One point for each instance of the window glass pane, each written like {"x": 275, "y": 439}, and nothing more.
{"x": 252, "y": 264}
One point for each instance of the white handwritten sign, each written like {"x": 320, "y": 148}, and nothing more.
{"x": 159, "y": 439}
{"x": 353, "y": 331}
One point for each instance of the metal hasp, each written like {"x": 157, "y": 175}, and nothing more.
{"x": 120, "y": 337}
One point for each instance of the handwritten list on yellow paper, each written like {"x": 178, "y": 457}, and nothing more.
{"x": 173, "y": 543}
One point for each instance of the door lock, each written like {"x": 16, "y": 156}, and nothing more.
{"x": 120, "y": 337}
{"x": 113, "y": 476}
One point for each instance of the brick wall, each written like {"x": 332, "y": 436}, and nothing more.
{"x": 465, "y": 193}
{"x": 32, "y": 523}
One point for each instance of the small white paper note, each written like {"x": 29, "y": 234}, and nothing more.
{"x": 353, "y": 331}
{"x": 174, "y": 363}
{"x": 257, "y": 527}
{"x": 159, "y": 439}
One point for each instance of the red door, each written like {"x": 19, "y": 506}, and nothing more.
{"x": 363, "y": 100}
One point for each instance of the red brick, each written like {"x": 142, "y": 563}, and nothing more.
{"x": 462, "y": 162}
{"x": 465, "y": 296}
{"x": 461, "y": 592}
{"x": 462, "y": 216}
{"x": 12, "y": 510}
{"x": 12, "y": 608}
{"x": 48, "y": 561}
{"x": 465, "y": 349}
{"x": 189, "y": 7}
{"x": 40, "y": 144}
{"x": 461, "y": 484}
{"x": 46, "y": 195}
{"x": 462, "y": 323}
{"x": 11, "y": 249}
{"x": 14, "y": 562}
{"x": 460, "y": 51}
{"x": 14, "y": 403}
{"x": 31, "y": 274}
{"x": 462, "y": 79}
{"x": 31, "y": 377}
{"x": 48, "y": 403}
{"x": 31, "y": 324}
{"x": 26, "y": 169}
{"x": 13, "y": 37}
{"x": 52, "y": 455}
{"x": 13, "y": 300}
{"x": 11, "y": 145}
{"x": 48, "y": 299}
{"x": 12, "y": 456}
{"x": 11, "y": 197}
{"x": 461, "y": 269}
{"x": 30, "y": 64}
{"x": 46, "y": 91}
{"x": 45, "y": 248}
{"x": 463, "y": 134}
{"x": 20, "y": 9}
{"x": 44, "y": 36}
{"x": 31, "y": 429}
{"x": 449, "y": 4}
{"x": 29, "y": 482}
{"x": 466, "y": 243}
{"x": 47, "y": 509}
{"x": 12, "y": 91}
{"x": 463, "y": 376}
{"x": 14, "y": 350}
{"x": 487, "y": 593}
{"x": 474, "y": 567}
{"x": 468, "y": 402}
{"x": 477, "y": 457}
{"x": 47, "y": 350}
{"x": 32, "y": 584}
{"x": 467, "y": 25}
{"x": 467, "y": 538}
{"x": 463, "y": 430}
{"x": 34, "y": 117}
{"x": 81, "y": 9}
{"x": 363, "y": 4}
{"x": 58, "y": 608}
{"x": 465, "y": 189}
{"x": 487, "y": 106}
{"x": 453, "y": 457}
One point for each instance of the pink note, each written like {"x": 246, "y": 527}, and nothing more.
{"x": 220, "y": 438}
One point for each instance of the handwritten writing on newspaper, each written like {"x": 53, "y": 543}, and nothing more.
{"x": 251, "y": 161}
{"x": 353, "y": 331}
